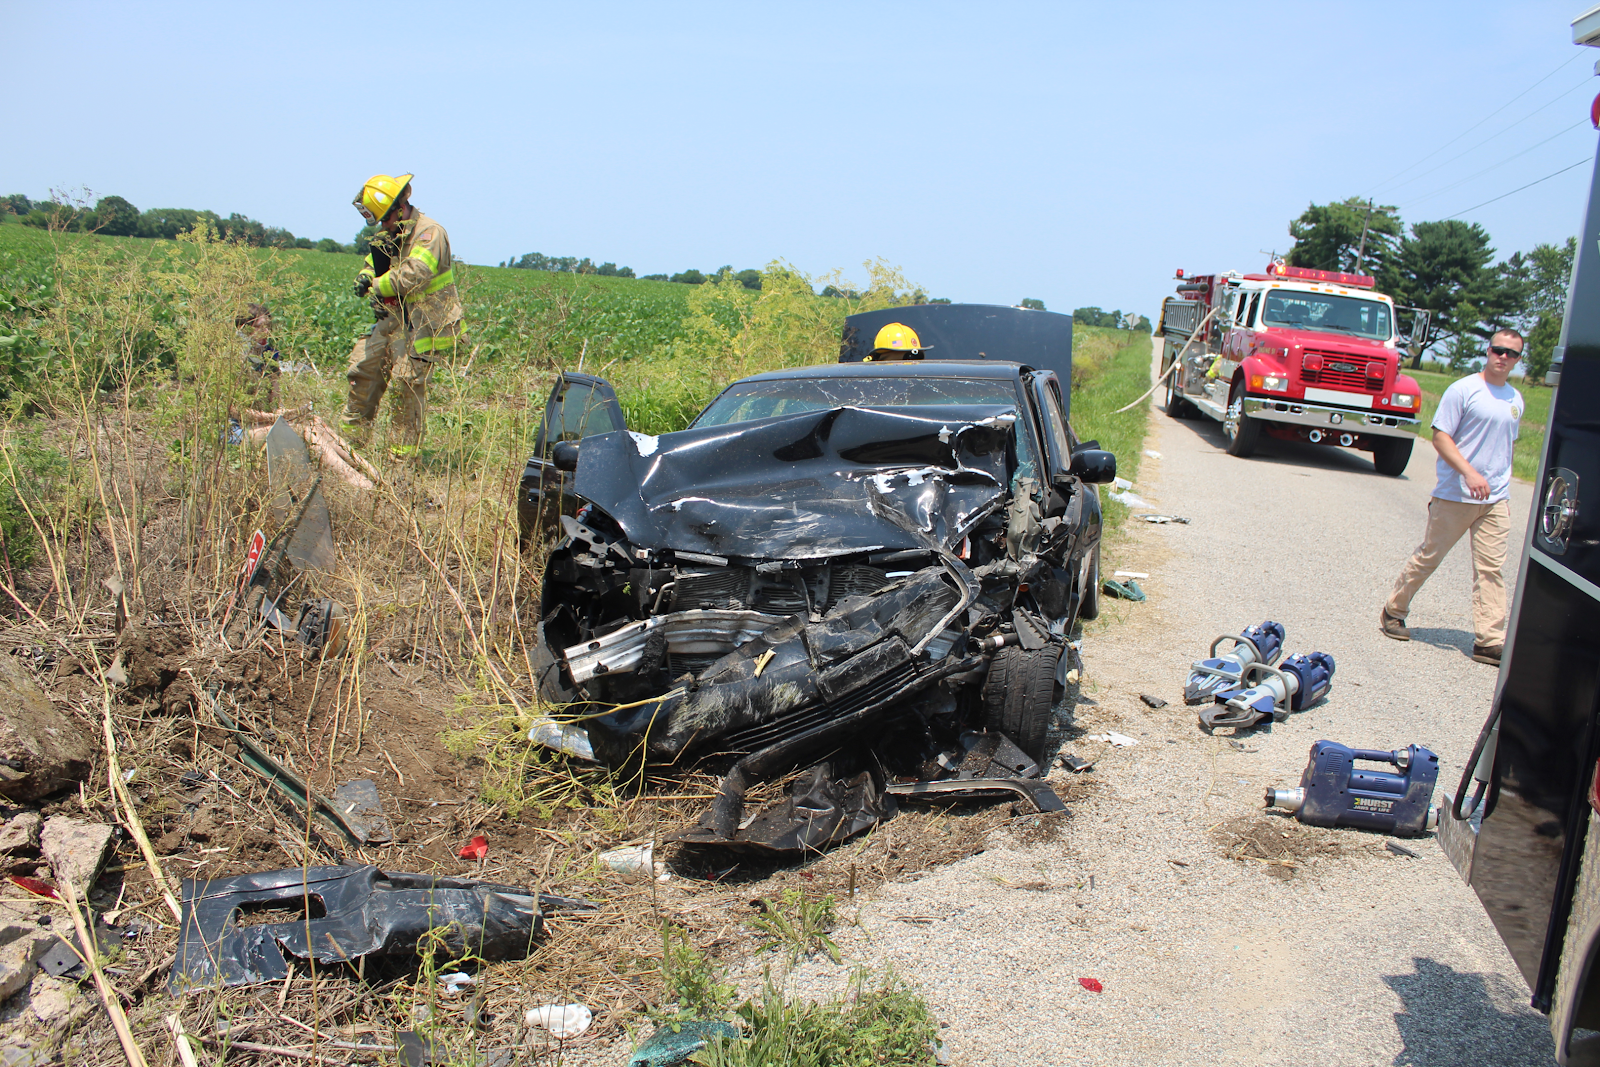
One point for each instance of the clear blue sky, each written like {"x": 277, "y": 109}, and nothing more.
{"x": 1072, "y": 152}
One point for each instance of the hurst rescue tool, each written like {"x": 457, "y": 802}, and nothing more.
{"x": 1262, "y": 643}
{"x": 1272, "y": 692}
{"x": 1333, "y": 791}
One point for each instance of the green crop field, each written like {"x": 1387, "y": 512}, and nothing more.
{"x": 1530, "y": 440}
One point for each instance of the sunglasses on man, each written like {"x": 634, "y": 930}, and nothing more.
{"x": 1502, "y": 350}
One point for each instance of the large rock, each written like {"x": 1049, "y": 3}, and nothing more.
{"x": 76, "y": 850}
{"x": 41, "y": 749}
{"x": 22, "y": 831}
{"x": 20, "y": 949}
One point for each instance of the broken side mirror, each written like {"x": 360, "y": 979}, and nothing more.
{"x": 564, "y": 455}
{"x": 1094, "y": 465}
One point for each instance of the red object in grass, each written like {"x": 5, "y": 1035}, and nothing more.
{"x": 1091, "y": 984}
{"x": 476, "y": 849}
{"x": 34, "y": 885}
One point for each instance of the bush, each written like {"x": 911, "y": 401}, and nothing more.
{"x": 688, "y": 277}
{"x": 1032, "y": 304}
{"x": 115, "y": 217}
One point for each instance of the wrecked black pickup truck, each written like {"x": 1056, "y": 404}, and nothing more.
{"x": 875, "y": 564}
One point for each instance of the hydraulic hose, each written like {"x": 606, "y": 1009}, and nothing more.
{"x": 1456, "y": 809}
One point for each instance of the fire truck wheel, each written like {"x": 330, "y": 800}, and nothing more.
{"x": 1089, "y": 595}
{"x": 1019, "y": 694}
{"x": 1391, "y": 454}
{"x": 1176, "y": 406}
{"x": 1241, "y": 430}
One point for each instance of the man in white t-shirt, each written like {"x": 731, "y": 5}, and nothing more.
{"x": 1474, "y": 431}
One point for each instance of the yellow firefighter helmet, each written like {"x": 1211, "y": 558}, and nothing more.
{"x": 896, "y": 341}
{"x": 377, "y": 198}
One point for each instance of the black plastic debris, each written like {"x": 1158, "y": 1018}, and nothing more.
{"x": 345, "y": 913}
{"x": 822, "y": 809}
{"x": 1152, "y": 701}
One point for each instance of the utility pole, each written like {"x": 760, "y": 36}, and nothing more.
{"x": 1361, "y": 250}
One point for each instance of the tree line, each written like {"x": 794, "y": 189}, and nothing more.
{"x": 1447, "y": 268}
{"x": 1116, "y": 320}
{"x": 114, "y": 216}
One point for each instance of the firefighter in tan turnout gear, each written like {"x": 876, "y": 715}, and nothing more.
{"x": 409, "y": 278}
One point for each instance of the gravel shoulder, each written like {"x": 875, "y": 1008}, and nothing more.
{"x": 1313, "y": 947}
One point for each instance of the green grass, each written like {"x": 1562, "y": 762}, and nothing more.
{"x": 1122, "y": 374}
{"x": 1530, "y": 438}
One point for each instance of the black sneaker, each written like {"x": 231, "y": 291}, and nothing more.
{"x": 1393, "y": 627}
{"x": 1489, "y": 654}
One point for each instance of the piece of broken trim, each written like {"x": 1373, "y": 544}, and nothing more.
{"x": 1163, "y": 518}
{"x": 350, "y": 912}
{"x": 1152, "y": 701}
{"x": 1130, "y": 591}
{"x": 1076, "y": 763}
{"x": 1130, "y": 574}
{"x": 1111, "y": 737}
{"x": 1043, "y": 798}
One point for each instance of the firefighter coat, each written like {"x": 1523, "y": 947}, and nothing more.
{"x": 422, "y": 278}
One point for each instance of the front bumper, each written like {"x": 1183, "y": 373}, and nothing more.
{"x": 1324, "y": 417}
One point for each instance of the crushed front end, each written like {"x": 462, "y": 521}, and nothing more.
{"x": 829, "y": 585}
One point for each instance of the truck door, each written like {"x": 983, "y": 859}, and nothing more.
{"x": 1539, "y": 801}
{"x": 579, "y": 406}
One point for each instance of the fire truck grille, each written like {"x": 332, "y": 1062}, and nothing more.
{"x": 1339, "y": 372}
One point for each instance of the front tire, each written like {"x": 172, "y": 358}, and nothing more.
{"x": 1177, "y": 406}
{"x": 1241, "y": 430}
{"x": 1019, "y": 695}
{"x": 1391, "y": 454}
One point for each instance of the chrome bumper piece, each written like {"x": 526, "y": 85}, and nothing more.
{"x": 1325, "y": 418}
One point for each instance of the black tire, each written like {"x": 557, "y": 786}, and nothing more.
{"x": 1176, "y": 406}
{"x": 1391, "y": 454}
{"x": 1089, "y": 598}
{"x": 1019, "y": 694}
{"x": 1241, "y": 430}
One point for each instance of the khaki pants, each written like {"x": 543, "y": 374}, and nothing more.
{"x": 384, "y": 355}
{"x": 1489, "y": 525}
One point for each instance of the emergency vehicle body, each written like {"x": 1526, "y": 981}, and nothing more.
{"x": 1295, "y": 353}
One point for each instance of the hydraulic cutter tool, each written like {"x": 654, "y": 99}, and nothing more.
{"x": 1207, "y": 677}
{"x": 1300, "y": 682}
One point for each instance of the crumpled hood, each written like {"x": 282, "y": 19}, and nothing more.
{"x": 804, "y": 486}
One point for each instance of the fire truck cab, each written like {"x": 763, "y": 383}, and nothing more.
{"x": 1294, "y": 353}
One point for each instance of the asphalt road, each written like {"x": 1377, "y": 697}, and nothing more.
{"x": 1351, "y": 956}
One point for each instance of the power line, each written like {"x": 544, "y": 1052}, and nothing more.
{"x": 1496, "y": 166}
{"x": 1473, "y": 148}
{"x": 1559, "y": 67}
{"x": 1518, "y": 189}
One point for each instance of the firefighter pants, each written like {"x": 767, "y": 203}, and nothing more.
{"x": 1489, "y": 525}
{"x": 385, "y": 355}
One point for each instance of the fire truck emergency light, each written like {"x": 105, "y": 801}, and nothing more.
{"x": 1356, "y": 281}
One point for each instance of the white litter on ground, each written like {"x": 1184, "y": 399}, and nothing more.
{"x": 1111, "y": 737}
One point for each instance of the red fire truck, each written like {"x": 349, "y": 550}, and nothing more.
{"x": 1299, "y": 354}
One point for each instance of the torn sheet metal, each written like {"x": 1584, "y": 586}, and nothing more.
{"x": 349, "y": 912}
{"x": 822, "y": 809}
{"x": 796, "y": 486}
{"x": 289, "y": 470}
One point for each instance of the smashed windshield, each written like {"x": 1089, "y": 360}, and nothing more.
{"x": 745, "y": 401}
{"x": 1357, "y": 316}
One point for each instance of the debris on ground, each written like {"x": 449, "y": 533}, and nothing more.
{"x": 1128, "y": 498}
{"x": 42, "y": 749}
{"x": 476, "y": 849}
{"x": 21, "y": 831}
{"x": 1111, "y": 737}
{"x": 674, "y": 1044}
{"x": 1400, "y": 850}
{"x": 1152, "y": 701}
{"x": 1124, "y": 591}
{"x": 633, "y": 863}
{"x": 563, "y": 1021}
{"x": 1091, "y": 984}
{"x": 1130, "y": 574}
{"x": 76, "y": 851}
{"x": 1163, "y": 519}
{"x": 1076, "y": 763}
{"x": 365, "y": 911}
